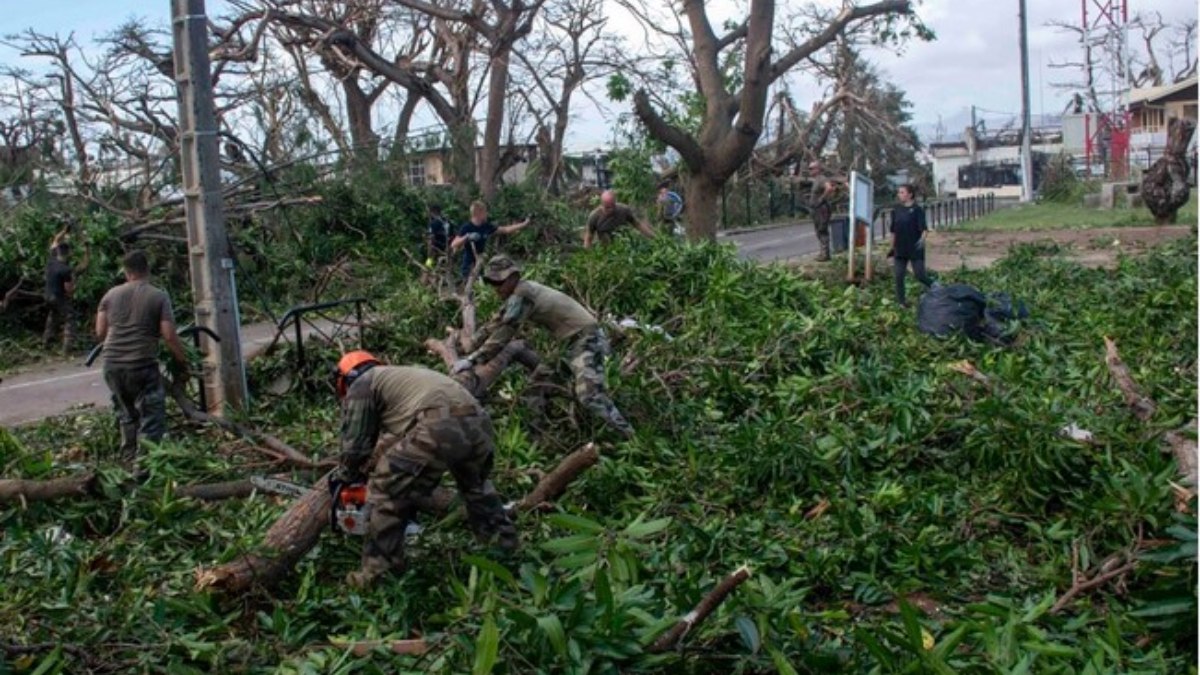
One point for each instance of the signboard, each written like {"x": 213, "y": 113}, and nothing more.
{"x": 862, "y": 198}
{"x": 862, "y": 210}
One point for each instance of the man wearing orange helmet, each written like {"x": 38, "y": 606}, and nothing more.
{"x": 441, "y": 428}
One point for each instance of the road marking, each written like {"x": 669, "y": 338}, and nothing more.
{"x": 59, "y": 378}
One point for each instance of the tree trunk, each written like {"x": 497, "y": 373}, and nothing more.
{"x": 358, "y": 112}
{"x": 702, "y": 196}
{"x": 293, "y": 535}
{"x": 489, "y": 157}
{"x": 461, "y": 169}
{"x": 12, "y": 490}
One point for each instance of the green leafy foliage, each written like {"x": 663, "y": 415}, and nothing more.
{"x": 897, "y": 516}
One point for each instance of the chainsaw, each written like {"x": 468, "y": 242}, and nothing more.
{"x": 350, "y": 511}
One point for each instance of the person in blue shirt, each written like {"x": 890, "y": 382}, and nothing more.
{"x": 474, "y": 234}
{"x": 670, "y": 208}
{"x": 908, "y": 241}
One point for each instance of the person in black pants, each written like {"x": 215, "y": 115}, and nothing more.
{"x": 908, "y": 241}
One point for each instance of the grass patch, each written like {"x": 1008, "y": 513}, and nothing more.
{"x": 1055, "y": 216}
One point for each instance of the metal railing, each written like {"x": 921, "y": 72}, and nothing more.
{"x": 298, "y": 315}
{"x": 942, "y": 213}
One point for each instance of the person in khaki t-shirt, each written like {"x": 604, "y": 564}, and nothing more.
{"x": 565, "y": 318}
{"x": 442, "y": 428}
{"x": 131, "y": 320}
{"x": 607, "y": 218}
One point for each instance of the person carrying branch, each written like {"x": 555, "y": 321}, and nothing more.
{"x": 442, "y": 428}
{"x": 605, "y": 219}
{"x": 565, "y": 318}
{"x": 60, "y": 286}
{"x": 473, "y": 236}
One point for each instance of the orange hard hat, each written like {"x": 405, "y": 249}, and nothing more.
{"x": 350, "y": 366}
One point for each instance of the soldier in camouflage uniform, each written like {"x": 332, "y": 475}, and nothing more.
{"x": 441, "y": 428}
{"x": 558, "y": 313}
{"x": 821, "y": 204}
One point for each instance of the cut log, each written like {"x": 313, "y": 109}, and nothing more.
{"x": 555, "y": 483}
{"x": 298, "y": 529}
{"x": 24, "y": 490}
{"x": 293, "y": 535}
{"x": 706, "y": 607}
{"x": 211, "y": 492}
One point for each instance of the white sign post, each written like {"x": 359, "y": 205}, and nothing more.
{"x": 862, "y": 208}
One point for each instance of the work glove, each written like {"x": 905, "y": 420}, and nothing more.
{"x": 461, "y": 365}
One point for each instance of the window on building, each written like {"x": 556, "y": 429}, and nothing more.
{"x": 416, "y": 172}
{"x": 1189, "y": 111}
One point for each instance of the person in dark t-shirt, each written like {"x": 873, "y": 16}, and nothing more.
{"x": 60, "y": 286}
{"x": 473, "y": 236}
{"x": 908, "y": 241}
{"x": 130, "y": 321}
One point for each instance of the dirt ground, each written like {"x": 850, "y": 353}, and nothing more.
{"x": 949, "y": 250}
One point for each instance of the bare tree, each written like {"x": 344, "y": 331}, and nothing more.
{"x": 734, "y": 108}
{"x": 500, "y": 23}
{"x": 570, "y": 49}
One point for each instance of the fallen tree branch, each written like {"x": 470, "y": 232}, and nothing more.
{"x": 362, "y": 648}
{"x": 555, "y": 483}
{"x": 293, "y": 535}
{"x": 1143, "y": 407}
{"x": 706, "y": 607}
{"x": 278, "y": 449}
{"x": 1183, "y": 448}
{"x": 479, "y": 379}
{"x": 26, "y": 490}
{"x": 1106, "y": 573}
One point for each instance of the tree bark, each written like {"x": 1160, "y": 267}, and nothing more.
{"x": 24, "y": 490}
{"x": 706, "y": 607}
{"x": 293, "y": 535}
{"x": 555, "y": 483}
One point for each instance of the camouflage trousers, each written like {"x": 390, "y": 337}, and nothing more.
{"x": 61, "y": 316}
{"x": 413, "y": 467}
{"x": 821, "y": 218}
{"x": 586, "y": 357}
{"x": 140, "y": 403}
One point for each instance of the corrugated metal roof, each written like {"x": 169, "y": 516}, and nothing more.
{"x": 1152, "y": 94}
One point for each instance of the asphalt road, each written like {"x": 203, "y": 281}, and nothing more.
{"x": 69, "y": 386}
{"x": 773, "y": 244}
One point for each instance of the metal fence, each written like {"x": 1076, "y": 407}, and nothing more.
{"x": 762, "y": 202}
{"x": 943, "y": 213}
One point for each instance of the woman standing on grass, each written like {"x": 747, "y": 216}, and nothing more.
{"x": 908, "y": 241}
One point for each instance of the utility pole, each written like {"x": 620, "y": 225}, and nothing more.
{"x": 1026, "y": 130}
{"x": 209, "y": 255}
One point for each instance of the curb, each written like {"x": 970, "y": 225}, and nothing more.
{"x": 762, "y": 228}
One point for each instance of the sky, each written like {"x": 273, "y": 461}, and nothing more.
{"x": 973, "y": 61}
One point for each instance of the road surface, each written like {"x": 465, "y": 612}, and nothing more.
{"x": 61, "y": 387}
{"x": 787, "y": 242}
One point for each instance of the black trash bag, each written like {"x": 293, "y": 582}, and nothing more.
{"x": 954, "y": 308}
